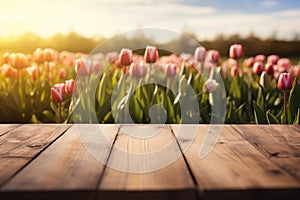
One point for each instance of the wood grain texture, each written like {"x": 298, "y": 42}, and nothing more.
{"x": 281, "y": 144}
{"x": 65, "y": 167}
{"x": 133, "y": 154}
{"x": 5, "y": 128}
{"x": 235, "y": 168}
{"x": 20, "y": 145}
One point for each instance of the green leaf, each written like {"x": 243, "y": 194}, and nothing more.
{"x": 271, "y": 118}
{"x": 294, "y": 98}
{"x": 259, "y": 114}
{"x": 297, "y": 119}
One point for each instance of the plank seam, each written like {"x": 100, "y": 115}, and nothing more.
{"x": 198, "y": 193}
{"x": 9, "y": 130}
{"x": 105, "y": 166}
{"x": 34, "y": 157}
{"x": 268, "y": 157}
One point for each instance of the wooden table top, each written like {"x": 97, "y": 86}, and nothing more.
{"x": 50, "y": 161}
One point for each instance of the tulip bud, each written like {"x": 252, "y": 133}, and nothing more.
{"x": 58, "y": 93}
{"x": 8, "y": 71}
{"x": 249, "y": 62}
{"x": 62, "y": 73}
{"x": 70, "y": 87}
{"x": 211, "y": 85}
{"x": 49, "y": 54}
{"x": 170, "y": 70}
{"x": 258, "y": 68}
{"x": 213, "y": 56}
{"x": 236, "y": 51}
{"x": 125, "y": 57}
{"x": 273, "y": 59}
{"x": 200, "y": 54}
{"x": 285, "y": 82}
{"x": 269, "y": 68}
{"x": 151, "y": 54}
{"x": 234, "y": 71}
{"x": 260, "y": 58}
{"x": 137, "y": 70}
{"x": 263, "y": 81}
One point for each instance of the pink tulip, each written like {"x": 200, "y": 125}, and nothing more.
{"x": 200, "y": 54}
{"x": 284, "y": 64}
{"x": 273, "y": 59}
{"x": 269, "y": 68}
{"x": 258, "y": 68}
{"x": 70, "y": 86}
{"x": 211, "y": 85}
{"x": 151, "y": 54}
{"x": 234, "y": 71}
{"x": 213, "y": 56}
{"x": 249, "y": 62}
{"x": 236, "y": 51}
{"x": 62, "y": 73}
{"x": 260, "y": 58}
{"x": 125, "y": 57}
{"x": 58, "y": 93}
{"x": 285, "y": 82}
{"x": 83, "y": 67}
{"x": 170, "y": 70}
{"x": 137, "y": 70}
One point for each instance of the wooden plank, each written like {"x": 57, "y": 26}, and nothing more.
{"x": 279, "y": 143}
{"x": 20, "y": 145}
{"x": 137, "y": 168}
{"x": 66, "y": 167}
{"x": 5, "y": 128}
{"x": 235, "y": 169}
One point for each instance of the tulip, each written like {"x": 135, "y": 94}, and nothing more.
{"x": 5, "y": 58}
{"x": 137, "y": 70}
{"x": 284, "y": 64}
{"x": 151, "y": 54}
{"x": 285, "y": 83}
{"x": 8, "y": 71}
{"x": 269, "y": 68}
{"x": 260, "y": 58}
{"x": 58, "y": 93}
{"x": 34, "y": 71}
{"x": 62, "y": 73}
{"x": 70, "y": 86}
{"x": 258, "y": 68}
{"x": 234, "y": 71}
{"x": 125, "y": 57}
{"x": 82, "y": 67}
{"x": 49, "y": 54}
{"x": 18, "y": 61}
{"x": 38, "y": 55}
{"x": 236, "y": 51}
{"x": 213, "y": 56}
{"x": 112, "y": 57}
{"x": 170, "y": 70}
{"x": 200, "y": 54}
{"x": 211, "y": 85}
{"x": 249, "y": 62}
{"x": 263, "y": 81}
{"x": 272, "y": 59}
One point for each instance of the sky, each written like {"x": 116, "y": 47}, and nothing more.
{"x": 205, "y": 18}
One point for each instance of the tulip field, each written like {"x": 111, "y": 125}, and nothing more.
{"x": 48, "y": 86}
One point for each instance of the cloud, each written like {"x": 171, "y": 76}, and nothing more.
{"x": 269, "y": 3}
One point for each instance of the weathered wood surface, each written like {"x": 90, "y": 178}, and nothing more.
{"x": 55, "y": 162}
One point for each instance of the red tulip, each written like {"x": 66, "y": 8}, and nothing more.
{"x": 249, "y": 62}
{"x": 137, "y": 70}
{"x": 34, "y": 71}
{"x": 236, "y": 51}
{"x": 58, "y": 93}
{"x": 273, "y": 59}
{"x": 125, "y": 57}
{"x": 70, "y": 86}
{"x": 170, "y": 70}
{"x": 285, "y": 82}
{"x": 269, "y": 68}
{"x": 258, "y": 68}
{"x": 83, "y": 67}
{"x": 213, "y": 56}
{"x": 260, "y": 58}
{"x": 200, "y": 54}
{"x": 151, "y": 54}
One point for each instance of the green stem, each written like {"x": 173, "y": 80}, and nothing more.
{"x": 59, "y": 112}
{"x": 285, "y": 111}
